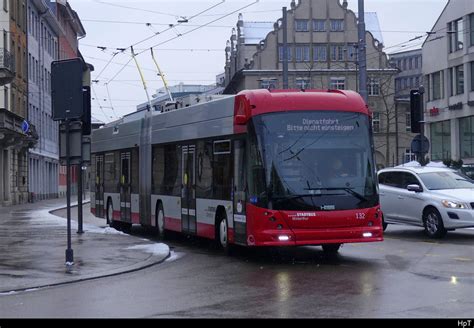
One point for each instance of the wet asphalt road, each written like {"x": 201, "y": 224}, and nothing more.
{"x": 407, "y": 275}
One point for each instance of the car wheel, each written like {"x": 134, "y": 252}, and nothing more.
{"x": 434, "y": 227}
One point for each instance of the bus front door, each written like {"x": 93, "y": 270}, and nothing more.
{"x": 99, "y": 186}
{"x": 240, "y": 193}
{"x": 188, "y": 190}
{"x": 125, "y": 188}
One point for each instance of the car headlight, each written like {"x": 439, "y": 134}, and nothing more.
{"x": 452, "y": 204}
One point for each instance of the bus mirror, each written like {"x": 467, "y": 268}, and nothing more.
{"x": 241, "y": 110}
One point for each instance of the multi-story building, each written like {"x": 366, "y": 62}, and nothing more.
{"x": 410, "y": 77}
{"x": 448, "y": 67}
{"x": 17, "y": 135}
{"x": 322, "y": 54}
{"x": 68, "y": 47}
{"x": 43, "y": 32}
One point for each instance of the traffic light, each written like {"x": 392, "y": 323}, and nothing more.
{"x": 416, "y": 111}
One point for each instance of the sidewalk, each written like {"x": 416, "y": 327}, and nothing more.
{"x": 33, "y": 243}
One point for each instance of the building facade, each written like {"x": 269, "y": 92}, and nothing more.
{"x": 322, "y": 54}
{"x": 410, "y": 77}
{"x": 17, "y": 135}
{"x": 43, "y": 32}
{"x": 448, "y": 69}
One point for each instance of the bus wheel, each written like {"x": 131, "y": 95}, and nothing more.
{"x": 331, "y": 249}
{"x": 223, "y": 234}
{"x": 110, "y": 214}
{"x": 384, "y": 224}
{"x": 160, "y": 221}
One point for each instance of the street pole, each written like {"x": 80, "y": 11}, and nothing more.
{"x": 362, "y": 52}
{"x": 285, "y": 48}
{"x": 396, "y": 134}
{"x": 79, "y": 201}
{"x": 421, "y": 90}
{"x": 69, "y": 251}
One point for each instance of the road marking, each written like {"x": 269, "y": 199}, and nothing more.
{"x": 463, "y": 259}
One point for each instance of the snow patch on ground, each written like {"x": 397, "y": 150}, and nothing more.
{"x": 174, "y": 256}
{"x": 155, "y": 249}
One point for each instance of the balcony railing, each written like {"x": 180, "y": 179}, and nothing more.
{"x": 7, "y": 66}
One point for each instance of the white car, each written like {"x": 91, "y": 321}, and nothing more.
{"x": 438, "y": 199}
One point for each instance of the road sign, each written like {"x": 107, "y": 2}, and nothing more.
{"x": 420, "y": 145}
{"x": 25, "y": 127}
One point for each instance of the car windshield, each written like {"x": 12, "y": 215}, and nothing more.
{"x": 446, "y": 180}
{"x": 305, "y": 160}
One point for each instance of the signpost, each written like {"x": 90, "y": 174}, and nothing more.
{"x": 70, "y": 82}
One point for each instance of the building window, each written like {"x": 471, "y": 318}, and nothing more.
{"x": 337, "y": 52}
{"x": 5, "y": 97}
{"x": 408, "y": 120}
{"x": 456, "y": 35}
{"x": 301, "y": 25}
{"x": 289, "y": 53}
{"x": 337, "y": 83}
{"x": 409, "y": 156}
{"x": 437, "y": 92}
{"x": 303, "y": 83}
{"x": 459, "y": 79}
{"x": 373, "y": 87}
{"x": 337, "y": 25}
{"x": 466, "y": 136}
{"x": 376, "y": 122}
{"x": 416, "y": 62}
{"x": 471, "y": 19}
{"x": 268, "y": 84}
{"x": 352, "y": 52}
{"x": 472, "y": 75}
{"x": 441, "y": 140}
{"x": 320, "y": 53}
{"x": 319, "y": 25}
{"x": 302, "y": 53}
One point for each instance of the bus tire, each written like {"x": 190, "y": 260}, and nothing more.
{"x": 160, "y": 221}
{"x": 110, "y": 213}
{"x": 331, "y": 249}
{"x": 384, "y": 224}
{"x": 222, "y": 232}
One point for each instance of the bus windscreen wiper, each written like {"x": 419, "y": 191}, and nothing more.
{"x": 349, "y": 190}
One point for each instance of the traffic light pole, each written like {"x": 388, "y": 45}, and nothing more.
{"x": 422, "y": 154}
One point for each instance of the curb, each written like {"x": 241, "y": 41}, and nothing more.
{"x": 149, "y": 262}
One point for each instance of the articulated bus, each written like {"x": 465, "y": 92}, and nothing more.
{"x": 261, "y": 168}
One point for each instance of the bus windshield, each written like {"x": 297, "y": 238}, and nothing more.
{"x": 311, "y": 160}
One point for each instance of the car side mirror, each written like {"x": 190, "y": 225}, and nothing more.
{"x": 415, "y": 188}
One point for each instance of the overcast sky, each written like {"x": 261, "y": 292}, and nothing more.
{"x": 197, "y": 56}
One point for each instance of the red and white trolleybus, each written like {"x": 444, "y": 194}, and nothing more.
{"x": 261, "y": 168}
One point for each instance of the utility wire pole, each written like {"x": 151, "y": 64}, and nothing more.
{"x": 362, "y": 52}
{"x": 285, "y": 48}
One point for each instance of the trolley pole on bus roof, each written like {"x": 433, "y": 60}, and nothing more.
{"x": 160, "y": 73}
{"x": 142, "y": 78}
